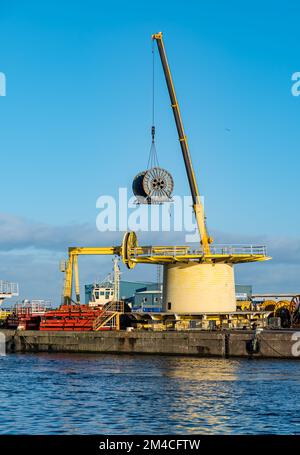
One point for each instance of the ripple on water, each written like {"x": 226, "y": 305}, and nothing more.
{"x": 88, "y": 394}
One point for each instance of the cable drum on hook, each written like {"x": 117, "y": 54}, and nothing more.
{"x": 153, "y": 186}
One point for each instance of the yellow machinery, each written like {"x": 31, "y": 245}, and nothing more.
{"x": 4, "y": 314}
{"x": 195, "y": 281}
{"x": 286, "y": 310}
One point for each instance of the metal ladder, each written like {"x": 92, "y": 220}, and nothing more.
{"x": 110, "y": 316}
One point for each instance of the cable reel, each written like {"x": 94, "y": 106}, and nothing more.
{"x": 129, "y": 242}
{"x": 154, "y": 185}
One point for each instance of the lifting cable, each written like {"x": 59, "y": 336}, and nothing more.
{"x": 153, "y": 159}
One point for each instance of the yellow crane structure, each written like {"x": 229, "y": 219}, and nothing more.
{"x": 132, "y": 254}
{"x": 197, "y": 204}
{"x": 195, "y": 281}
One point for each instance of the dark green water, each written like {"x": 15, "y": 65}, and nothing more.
{"x": 88, "y": 394}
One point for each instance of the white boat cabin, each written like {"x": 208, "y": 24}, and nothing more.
{"x": 101, "y": 294}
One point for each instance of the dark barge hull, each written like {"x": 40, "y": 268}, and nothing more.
{"x": 226, "y": 344}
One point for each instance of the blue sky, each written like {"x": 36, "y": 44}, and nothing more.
{"x": 76, "y": 118}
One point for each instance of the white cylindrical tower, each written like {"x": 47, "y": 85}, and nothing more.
{"x": 194, "y": 288}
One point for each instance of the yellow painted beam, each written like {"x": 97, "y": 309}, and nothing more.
{"x": 94, "y": 250}
{"x": 234, "y": 259}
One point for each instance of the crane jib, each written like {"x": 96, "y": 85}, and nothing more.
{"x": 197, "y": 205}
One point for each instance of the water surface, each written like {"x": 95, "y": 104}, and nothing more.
{"x": 110, "y": 394}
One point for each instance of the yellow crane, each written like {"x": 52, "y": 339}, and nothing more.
{"x": 197, "y": 204}
{"x": 217, "y": 260}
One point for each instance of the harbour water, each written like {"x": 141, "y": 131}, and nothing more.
{"x": 110, "y": 394}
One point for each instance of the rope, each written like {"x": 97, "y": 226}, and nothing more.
{"x": 260, "y": 338}
{"x": 153, "y": 159}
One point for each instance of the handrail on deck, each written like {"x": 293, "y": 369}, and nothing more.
{"x": 8, "y": 288}
{"x": 226, "y": 250}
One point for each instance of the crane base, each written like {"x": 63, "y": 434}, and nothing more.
{"x": 194, "y": 287}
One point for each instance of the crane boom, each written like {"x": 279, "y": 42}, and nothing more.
{"x": 197, "y": 204}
